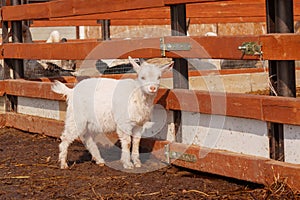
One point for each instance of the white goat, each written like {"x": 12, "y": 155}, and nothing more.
{"x": 102, "y": 105}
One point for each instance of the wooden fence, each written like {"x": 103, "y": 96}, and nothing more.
{"x": 279, "y": 110}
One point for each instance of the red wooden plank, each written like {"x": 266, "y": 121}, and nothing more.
{"x": 227, "y": 9}
{"x": 282, "y": 110}
{"x": 34, "y": 124}
{"x": 174, "y": 2}
{"x": 2, "y": 88}
{"x": 206, "y": 9}
{"x": 280, "y": 46}
{"x": 47, "y": 23}
{"x": 144, "y": 48}
{"x": 236, "y": 105}
{"x": 234, "y": 165}
{"x": 32, "y": 89}
{"x": 104, "y": 6}
{"x": 263, "y": 108}
{"x": 28, "y": 12}
{"x": 274, "y": 47}
{"x": 64, "y": 8}
{"x": 225, "y": 47}
{"x": 60, "y": 8}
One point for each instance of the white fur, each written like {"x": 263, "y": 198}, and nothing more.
{"x": 54, "y": 37}
{"x": 101, "y": 105}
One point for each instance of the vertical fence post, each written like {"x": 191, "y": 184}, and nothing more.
{"x": 5, "y": 39}
{"x": 105, "y": 28}
{"x": 282, "y": 73}
{"x": 180, "y": 75}
{"x": 17, "y": 37}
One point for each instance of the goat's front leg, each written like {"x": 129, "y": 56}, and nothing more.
{"x": 135, "y": 156}
{"x": 125, "y": 139}
{"x": 136, "y": 138}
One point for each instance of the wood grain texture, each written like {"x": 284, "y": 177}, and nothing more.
{"x": 274, "y": 47}
{"x": 248, "y": 168}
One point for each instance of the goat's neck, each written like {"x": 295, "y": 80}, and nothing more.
{"x": 144, "y": 98}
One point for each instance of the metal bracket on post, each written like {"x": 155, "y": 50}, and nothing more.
{"x": 251, "y": 48}
{"x": 178, "y": 155}
{"x": 181, "y": 46}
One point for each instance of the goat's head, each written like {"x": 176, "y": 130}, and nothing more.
{"x": 149, "y": 75}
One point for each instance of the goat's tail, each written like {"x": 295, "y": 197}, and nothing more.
{"x": 60, "y": 88}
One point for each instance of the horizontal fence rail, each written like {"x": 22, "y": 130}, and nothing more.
{"x": 65, "y": 8}
{"x": 273, "y": 47}
{"x": 197, "y": 11}
{"x": 264, "y": 108}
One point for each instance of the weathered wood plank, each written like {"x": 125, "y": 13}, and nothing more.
{"x": 34, "y": 124}
{"x": 173, "y": 2}
{"x": 248, "y": 168}
{"x": 81, "y": 50}
{"x": 280, "y": 46}
{"x": 274, "y": 47}
{"x": 33, "y": 89}
{"x": 280, "y": 110}
{"x": 225, "y": 47}
{"x": 64, "y": 8}
{"x": 204, "y": 12}
{"x": 258, "y": 107}
{"x": 263, "y": 108}
{"x": 53, "y": 23}
{"x": 28, "y": 12}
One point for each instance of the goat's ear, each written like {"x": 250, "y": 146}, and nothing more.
{"x": 167, "y": 67}
{"x": 135, "y": 66}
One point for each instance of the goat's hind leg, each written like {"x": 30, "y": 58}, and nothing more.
{"x": 66, "y": 139}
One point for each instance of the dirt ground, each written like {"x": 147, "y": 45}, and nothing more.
{"x": 29, "y": 170}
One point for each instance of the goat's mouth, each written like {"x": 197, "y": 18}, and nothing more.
{"x": 152, "y": 92}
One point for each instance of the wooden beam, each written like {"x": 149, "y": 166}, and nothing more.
{"x": 34, "y": 124}
{"x": 258, "y": 107}
{"x": 26, "y": 12}
{"x": 81, "y": 50}
{"x": 236, "y": 105}
{"x": 243, "y": 167}
{"x": 204, "y": 12}
{"x": 224, "y": 47}
{"x": 49, "y": 23}
{"x": 64, "y": 8}
{"x": 234, "y": 165}
{"x": 280, "y": 46}
{"x": 174, "y": 2}
{"x": 274, "y": 47}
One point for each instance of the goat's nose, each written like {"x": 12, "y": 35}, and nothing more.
{"x": 152, "y": 88}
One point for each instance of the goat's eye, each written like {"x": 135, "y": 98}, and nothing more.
{"x": 158, "y": 77}
{"x": 143, "y": 78}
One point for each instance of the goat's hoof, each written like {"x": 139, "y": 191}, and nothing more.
{"x": 100, "y": 164}
{"x": 137, "y": 163}
{"x": 128, "y": 165}
{"x": 64, "y": 166}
